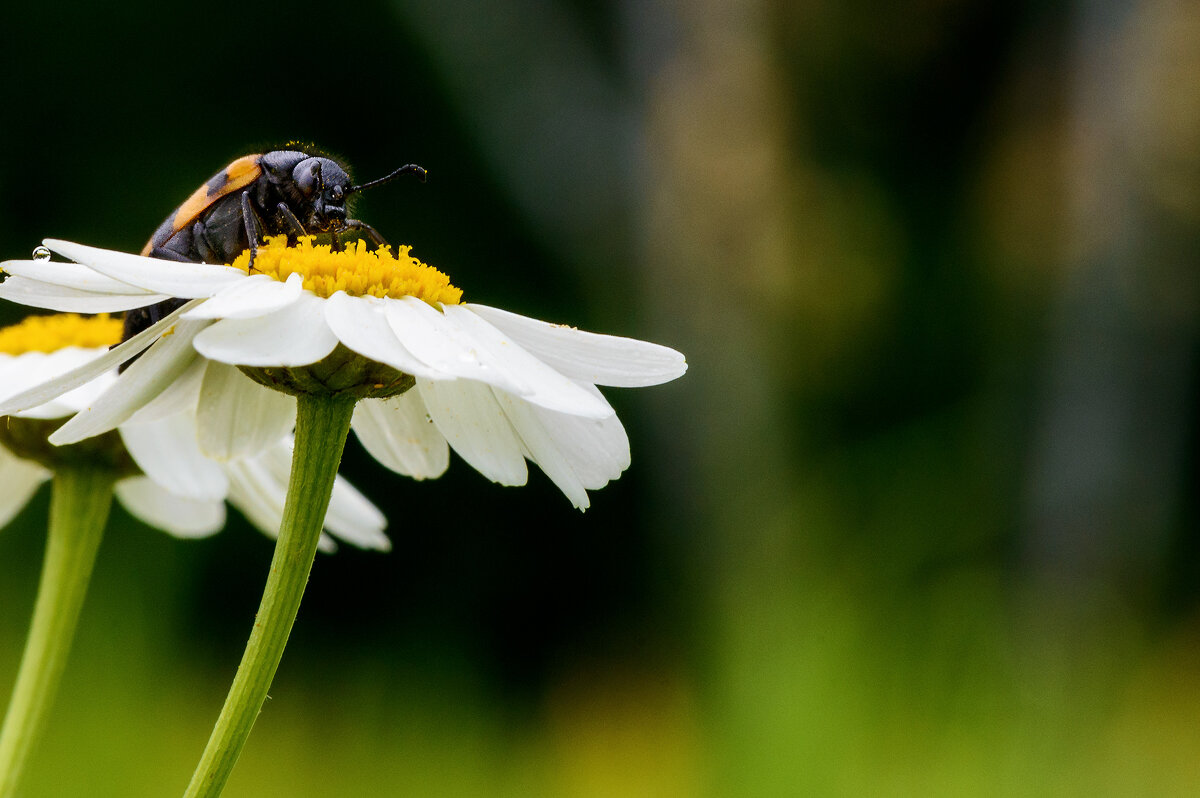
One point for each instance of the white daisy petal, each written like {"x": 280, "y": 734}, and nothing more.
{"x": 37, "y": 294}
{"x": 182, "y": 517}
{"x": 352, "y": 518}
{"x": 32, "y": 368}
{"x": 296, "y": 335}
{"x": 20, "y": 478}
{"x": 466, "y": 413}
{"x": 72, "y": 275}
{"x": 361, "y": 324}
{"x": 442, "y": 346}
{"x": 589, "y": 357}
{"x": 172, "y": 278}
{"x": 179, "y": 397}
{"x": 258, "y": 487}
{"x": 547, "y": 387}
{"x": 596, "y": 449}
{"x": 256, "y": 494}
{"x": 11, "y": 372}
{"x": 400, "y": 434}
{"x": 236, "y": 416}
{"x": 72, "y": 401}
{"x": 55, "y": 408}
{"x": 145, "y": 379}
{"x": 91, "y": 369}
{"x": 167, "y": 451}
{"x": 350, "y": 515}
{"x": 542, "y": 448}
{"x": 86, "y": 394}
{"x": 251, "y": 297}
{"x": 19, "y": 372}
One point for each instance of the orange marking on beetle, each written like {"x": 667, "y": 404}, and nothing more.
{"x": 238, "y": 174}
{"x": 235, "y": 176}
{"x": 243, "y": 170}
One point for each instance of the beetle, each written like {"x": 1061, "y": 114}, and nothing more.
{"x": 281, "y": 192}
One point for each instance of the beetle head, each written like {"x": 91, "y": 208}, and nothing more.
{"x": 324, "y": 185}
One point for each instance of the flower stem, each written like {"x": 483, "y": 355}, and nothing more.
{"x": 322, "y": 423}
{"x": 79, "y": 503}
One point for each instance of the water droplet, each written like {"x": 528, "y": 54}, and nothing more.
{"x": 41, "y": 254}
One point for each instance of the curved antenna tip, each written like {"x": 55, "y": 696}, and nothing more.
{"x": 409, "y": 168}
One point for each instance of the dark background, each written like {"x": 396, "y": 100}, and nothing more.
{"x": 921, "y": 517}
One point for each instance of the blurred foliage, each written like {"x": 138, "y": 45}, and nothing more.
{"x": 919, "y": 520}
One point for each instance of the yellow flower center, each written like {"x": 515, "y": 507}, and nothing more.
{"x": 356, "y": 270}
{"x": 51, "y": 333}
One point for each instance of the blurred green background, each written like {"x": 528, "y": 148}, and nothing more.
{"x": 921, "y": 519}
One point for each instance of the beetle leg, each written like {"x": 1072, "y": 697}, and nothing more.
{"x": 290, "y": 218}
{"x": 250, "y": 219}
{"x": 371, "y": 232}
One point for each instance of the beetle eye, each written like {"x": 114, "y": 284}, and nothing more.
{"x": 336, "y": 193}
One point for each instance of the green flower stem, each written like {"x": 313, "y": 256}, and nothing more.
{"x": 322, "y": 423}
{"x": 79, "y": 505}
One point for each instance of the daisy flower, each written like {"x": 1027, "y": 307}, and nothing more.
{"x": 497, "y": 387}
{"x": 152, "y": 463}
{"x": 369, "y": 340}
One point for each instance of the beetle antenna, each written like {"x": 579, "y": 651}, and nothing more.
{"x": 411, "y": 168}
